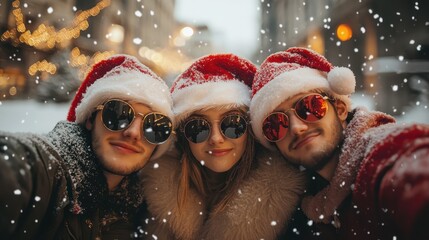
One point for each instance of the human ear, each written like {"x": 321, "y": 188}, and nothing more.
{"x": 88, "y": 123}
{"x": 341, "y": 109}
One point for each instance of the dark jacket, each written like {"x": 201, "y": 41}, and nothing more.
{"x": 380, "y": 186}
{"x": 264, "y": 203}
{"x": 53, "y": 188}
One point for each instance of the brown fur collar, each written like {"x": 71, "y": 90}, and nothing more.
{"x": 322, "y": 206}
{"x": 261, "y": 209}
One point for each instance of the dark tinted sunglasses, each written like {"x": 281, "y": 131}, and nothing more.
{"x": 197, "y": 130}
{"x": 118, "y": 115}
{"x": 310, "y": 108}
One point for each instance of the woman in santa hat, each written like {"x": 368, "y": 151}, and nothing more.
{"x": 217, "y": 183}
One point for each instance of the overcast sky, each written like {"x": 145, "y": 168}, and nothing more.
{"x": 234, "y": 23}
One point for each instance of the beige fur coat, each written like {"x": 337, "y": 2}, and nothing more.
{"x": 261, "y": 209}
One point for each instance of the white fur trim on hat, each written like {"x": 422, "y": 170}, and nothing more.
{"x": 209, "y": 94}
{"x": 283, "y": 87}
{"x": 129, "y": 85}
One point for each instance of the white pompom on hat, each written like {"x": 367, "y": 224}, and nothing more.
{"x": 213, "y": 80}
{"x": 288, "y": 73}
{"x": 124, "y": 77}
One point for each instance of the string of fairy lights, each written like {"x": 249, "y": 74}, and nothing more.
{"x": 47, "y": 37}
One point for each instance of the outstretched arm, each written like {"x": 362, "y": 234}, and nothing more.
{"x": 26, "y": 179}
{"x": 404, "y": 189}
{"x": 394, "y": 181}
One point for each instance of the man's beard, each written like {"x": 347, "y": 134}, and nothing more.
{"x": 107, "y": 164}
{"x": 323, "y": 158}
{"x": 317, "y": 160}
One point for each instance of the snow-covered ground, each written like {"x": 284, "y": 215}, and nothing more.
{"x": 31, "y": 115}
{"x": 37, "y": 117}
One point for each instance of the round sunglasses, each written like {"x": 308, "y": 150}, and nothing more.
{"x": 118, "y": 115}
{"x": 198, "y": 129}
{"x": 310, "y": 108}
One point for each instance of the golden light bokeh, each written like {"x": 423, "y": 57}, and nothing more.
{"x": 344, "y": 32}
{"x": 47, "y": 37}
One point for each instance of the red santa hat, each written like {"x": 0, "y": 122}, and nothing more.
{"x": 214, "y": 80}
{"x": 124, "y": 77}
{"x": 297, "y": 70}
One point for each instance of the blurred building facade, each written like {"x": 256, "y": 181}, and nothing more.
{"x": 384, "y": 42}
{"x": 82, "y": 32}
{"x": 198, "y": 43}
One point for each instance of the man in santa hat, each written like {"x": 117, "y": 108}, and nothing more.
{"x": 79, "y": 181}
{"x": 368, "y": 177}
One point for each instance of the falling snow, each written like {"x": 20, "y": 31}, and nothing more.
{"x": 29, "y": 115}
{"x": 138, "y": 13}
{"x": 137, "y": 41}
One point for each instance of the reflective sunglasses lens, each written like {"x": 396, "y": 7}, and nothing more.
{"x": 275, "y": 126}
{"x": 197, "y": 130}
{"x": 233, "y": 126}
{"x": 157, "y": 128}
{"x": 311, "y": 108}
{"x": 117, "y": 115}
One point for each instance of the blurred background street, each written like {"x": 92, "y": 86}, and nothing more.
{"x": 46, "y": 46}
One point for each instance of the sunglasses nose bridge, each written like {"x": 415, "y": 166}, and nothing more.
{"x": 294, "y": 114}
{"x": 296, "y": 124}
{"x": 138, "y": 120}
{"x": 140, "y": 115}
{"x": 134, "y": 129}
{"x": 288, "y": 115}
{"x": 216, "y": 135}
